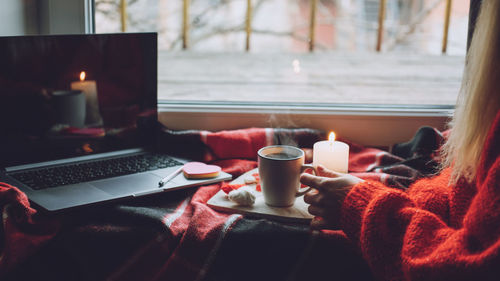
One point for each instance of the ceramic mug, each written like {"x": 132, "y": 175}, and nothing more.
{"x": 280, "y": 167}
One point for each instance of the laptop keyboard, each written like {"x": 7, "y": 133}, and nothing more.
{"x": 88, "y": 171}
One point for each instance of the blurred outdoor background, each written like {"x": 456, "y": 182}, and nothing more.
{"x": 218, "y": 56}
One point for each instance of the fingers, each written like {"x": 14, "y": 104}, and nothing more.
{"x": 312, "y": 181}
{"x": 325, "y": 172}
{"x": 322, "y": 183}
{"x": 316, "y": 211}
{"x": 322, "y": 223}
{"x": 310, "y": 196}
{"x": 318, "y": 223}
{"x": 322, "y": 205}
{"x": 314, "y": 197}
{"x": 329, "y": 188}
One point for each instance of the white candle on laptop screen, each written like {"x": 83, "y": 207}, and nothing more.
{"x": 332, "y": 154}
{"x": 89, "y": 88}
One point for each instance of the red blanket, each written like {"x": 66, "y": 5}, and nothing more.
{"x": 176, "y": 236}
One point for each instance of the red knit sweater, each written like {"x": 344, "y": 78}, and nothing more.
{"x": 433, "y": 231}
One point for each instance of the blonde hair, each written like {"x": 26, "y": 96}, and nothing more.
{"x": 479, "y": 97}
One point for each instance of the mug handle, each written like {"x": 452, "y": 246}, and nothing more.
{"x": 302, "y": 169}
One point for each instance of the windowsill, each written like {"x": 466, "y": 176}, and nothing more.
{"x": 304, "y": 109}
{"x": 371, "y": 126}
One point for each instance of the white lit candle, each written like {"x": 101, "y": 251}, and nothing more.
{"x": 89, "y": 88}
{"x": 332, "y": 154}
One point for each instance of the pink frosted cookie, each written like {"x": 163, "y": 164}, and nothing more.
{"x": 198, "y": 170}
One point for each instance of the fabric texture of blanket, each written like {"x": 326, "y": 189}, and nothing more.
{"x": 176, "y": 236}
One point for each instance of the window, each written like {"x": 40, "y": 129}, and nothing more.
{"x": 268, "y": 60}
{"x": 373, "y": 85}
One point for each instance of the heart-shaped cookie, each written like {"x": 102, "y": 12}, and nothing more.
{"x": 198, "y": 170}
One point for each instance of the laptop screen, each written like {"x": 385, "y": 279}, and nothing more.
{"x": 64, "y": 96}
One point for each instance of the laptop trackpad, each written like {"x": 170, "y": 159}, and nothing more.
{"x": 128, "y": 185}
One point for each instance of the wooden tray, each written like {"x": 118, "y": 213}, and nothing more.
{"x": 296, "y": 213}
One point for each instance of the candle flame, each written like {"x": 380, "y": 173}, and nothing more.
{"x": 86, "y": 148}
{"x": 82, "y": 76}
{"x": 331, "y": 137}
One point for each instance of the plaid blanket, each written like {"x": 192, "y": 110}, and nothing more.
{"x": 176, "y": 236}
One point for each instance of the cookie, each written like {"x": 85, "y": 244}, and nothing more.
{"x": 198, "y": 170}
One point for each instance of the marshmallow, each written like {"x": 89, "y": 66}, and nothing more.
{"x": 242, "y": 196}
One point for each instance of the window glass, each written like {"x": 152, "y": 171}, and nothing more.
{"x": 217, "y": 57}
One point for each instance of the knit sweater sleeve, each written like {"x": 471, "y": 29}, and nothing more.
{"x": 403, "y": 240}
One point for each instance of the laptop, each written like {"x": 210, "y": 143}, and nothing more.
{"x": 78, "y": 120}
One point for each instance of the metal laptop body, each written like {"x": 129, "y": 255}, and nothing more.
{"x": 39, "y": 133}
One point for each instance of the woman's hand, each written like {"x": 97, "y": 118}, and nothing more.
{"x": 326, "y": 198}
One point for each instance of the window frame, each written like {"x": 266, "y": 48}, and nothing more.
{"x": 365, "y": 124}
{"x": 66, "y": 16}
